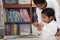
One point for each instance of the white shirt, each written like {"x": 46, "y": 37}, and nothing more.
{"x": 50, "y": 4}
{"x": 49, "y": 29}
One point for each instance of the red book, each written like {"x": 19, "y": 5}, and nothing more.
{"x": 25, "y": 14}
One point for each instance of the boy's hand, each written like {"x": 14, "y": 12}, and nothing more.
{"x": 38, "y": 25}
{"x": 35, "y": 24}
{"x": 58, "y": 33}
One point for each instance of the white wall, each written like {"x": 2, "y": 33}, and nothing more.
{"x": 58, "y": 1}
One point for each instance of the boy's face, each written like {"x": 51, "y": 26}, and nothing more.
{"x": 41, "y": 6}
{"x": 46, "y": 18}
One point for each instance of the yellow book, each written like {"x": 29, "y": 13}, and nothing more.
{"x": 15, "y": 29}
{"x": 33, "y": 5}
{"x": 4, "y": 15}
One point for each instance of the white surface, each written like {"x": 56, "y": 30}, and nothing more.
{"x": 40, "y": 38}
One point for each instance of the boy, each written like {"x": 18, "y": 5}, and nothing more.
{"x": 41, "y": 4}
{"x": 48, "y": 29}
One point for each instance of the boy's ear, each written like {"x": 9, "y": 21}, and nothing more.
{"x": 51, "y": 17}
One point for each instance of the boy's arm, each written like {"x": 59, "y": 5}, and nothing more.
{"x": 38, "y": 26}
{"x": 36, "y": 29}
{"x": 58, "y": 32}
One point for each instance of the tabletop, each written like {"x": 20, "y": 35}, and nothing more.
{"x": 32, "y": 38}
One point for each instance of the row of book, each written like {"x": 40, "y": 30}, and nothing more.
{"x": 11, "y": 29}
{"x": 18, "y": 1}
{"x": 17, "y": 15}
{"x": 17, "y": 29}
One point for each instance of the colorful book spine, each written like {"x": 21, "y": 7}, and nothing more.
{"x": 12, "y": 29}
{"x": 26, "y": 16}
{"x": 15, "y": 29}
{"x": 14, "y": 16}
{"x": 9, "y": 15}
{"x": 18, "y": 29}
{"x": 22, "y": 17}
{"x": 5, "y": 15}
{"x": 10, "y": 25}
{"x": 18, "y": 15}
{"x": 6, "y": 29}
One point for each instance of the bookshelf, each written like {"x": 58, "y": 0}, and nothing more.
{"x": 20, "y": 25}
{"x": 26, "y": 25}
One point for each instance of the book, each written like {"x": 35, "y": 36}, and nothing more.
{"x": 14, "y": 16}
{"x": 22, "y": 17}
{"x": 10, "y": 15}
{"x": 15, "y": 29}
{"x": 11, "y": 1}
{"x": 5, "y": 14}
{"x": 7, "y": 30}
{"x": 26, "y": 16}
{"x": 18, "y": 29}
{"x": 24, "y": 1}
{"x": 17, "y": 15}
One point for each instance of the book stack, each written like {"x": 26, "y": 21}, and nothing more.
{"x": 24, "y": 1}
{"x": 18, "y": 1}
{"x": 11, "y": 1}
{"x": 17, "y": 29}
{"x": 11, "y": 29}
{"x": 17, "y": 15}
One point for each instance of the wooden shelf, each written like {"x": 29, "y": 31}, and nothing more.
{"x": 17, "y": 23}
{"x": 17, "y": 5}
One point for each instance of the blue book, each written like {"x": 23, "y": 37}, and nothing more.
{"x": 18, "y": 15}
{"x": 6, "y": 29}
{"x": 9, "y": 15}
{"x": 18, "y": 29}
{"x": 10, "y": 29}
{"x": 14, "y": 15}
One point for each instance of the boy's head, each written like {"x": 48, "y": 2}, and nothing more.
{"x": 41, "y": 4}
{"x": 48, "y": 15}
